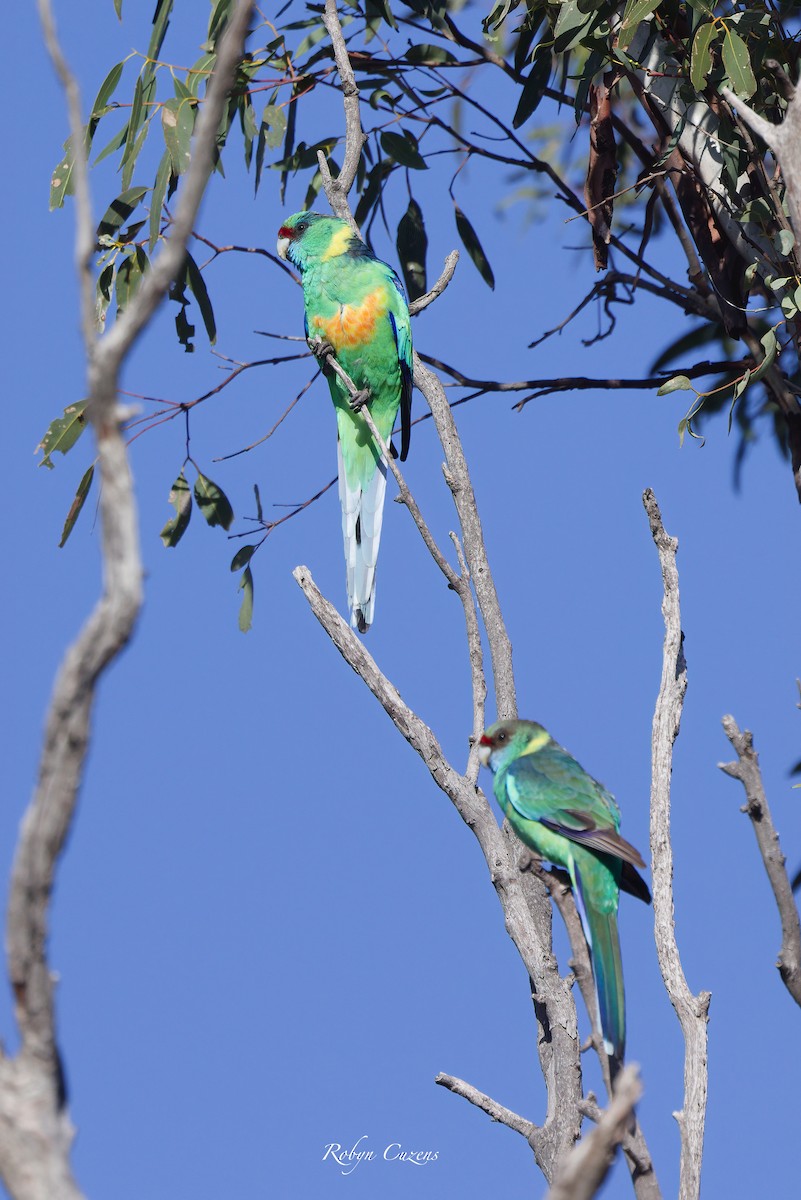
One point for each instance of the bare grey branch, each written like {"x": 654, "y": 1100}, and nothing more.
{"x": 491, "y": 1107}
{"x": 422, "y": 302}
{"x": 458, "y": 479}
{"x": 585, "y": 1168}
{"x": 691, "y": 1010}
{"x": 746, "y": 769}
{"x": 337, "y": 189}
{"x": 35, "y": 1129}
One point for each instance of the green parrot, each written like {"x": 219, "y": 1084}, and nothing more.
{"x": 568, "y": 818}
{"x": 355, "y": 304}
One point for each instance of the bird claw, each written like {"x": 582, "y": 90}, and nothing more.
{"x": 358, "y": 401}
{"x": 321, "y": 350}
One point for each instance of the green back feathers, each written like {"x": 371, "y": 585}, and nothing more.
{"x": 355, "y": 302}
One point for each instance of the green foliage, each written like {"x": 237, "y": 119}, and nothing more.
{"x": 213, "y": 502}
{"x": 180, "y": 498}
{"x": 533, "y": 89}
{"x": 412, "y": 245}
{"x": 440, "y": 88}
{"x": 246, "y": 607}
{"x": 63, "y": 433}
{"x": 473, "y": 246}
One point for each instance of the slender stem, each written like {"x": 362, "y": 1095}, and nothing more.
{"x": 746, "y": 769}
{"x": 691, "y": 1010}
{"x": 337, "y": 189}
{"x": 491, "y": 1107}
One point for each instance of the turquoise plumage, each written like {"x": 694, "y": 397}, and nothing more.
{"x": 571, "y": 820}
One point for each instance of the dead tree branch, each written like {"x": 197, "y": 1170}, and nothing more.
{"x": 691, "y": 1010}
{"x": 746, "y": 769}
{"x": 494, "y": 1110}
{"x": 337, "y": 189}
{"x": 585, "y": 1168}
{"x": 35, "y": 1130}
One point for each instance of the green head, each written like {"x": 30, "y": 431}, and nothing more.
{"x": 308, "y": 237}
{"x": 505, "y": 741}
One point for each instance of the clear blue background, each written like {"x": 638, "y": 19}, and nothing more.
{"x": 270, "y": 928}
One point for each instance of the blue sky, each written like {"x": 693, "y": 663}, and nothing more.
{"x": 271, "y": 930}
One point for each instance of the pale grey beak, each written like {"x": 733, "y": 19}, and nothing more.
{"x": 283, "y": 247}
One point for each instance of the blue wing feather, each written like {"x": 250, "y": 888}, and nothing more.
{"x": 551, "y": 788}
{"x": 402, "y": 332}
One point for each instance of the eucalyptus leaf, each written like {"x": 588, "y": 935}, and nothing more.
{"x": 105, "y": 93}
{"x": 63, "y": 432}
{"x": 473, "y": 246}
{"x": 533, "y": 88}
{"x": 634, "y": 12}
{"x": 679, "y": 383}
{"x": 177, "y": 124}
{"x": 197, "y": 286}
{"x": 412, "y": 245}
{"x": 737, "y": 64}
{"x": 119, "y": 211}
{"x": 403, "y": 149}
{"x": 77, "y": 504}
{"x": 61, "y": 179}
{"x": 770, "y": 348}
{"x": 157, "y": 199}
{"x": 242, "y": 557}
{"x": 246, "y": 607}
{"x": 180, "y": 498}
{"x": 701, "y": 55}
{"x": 784, "y": 242}
{"x": 213, "y": 502}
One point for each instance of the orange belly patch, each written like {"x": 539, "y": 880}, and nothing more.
{"x": 353, "y": 324}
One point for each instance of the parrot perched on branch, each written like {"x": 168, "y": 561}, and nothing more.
{"x": 355, "y": 305}
{"x": 568, "y": 818}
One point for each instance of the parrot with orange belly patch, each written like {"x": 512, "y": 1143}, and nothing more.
{"x": 355, "y": 303}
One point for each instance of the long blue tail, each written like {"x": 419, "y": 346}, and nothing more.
{"x": 601, "y": 931}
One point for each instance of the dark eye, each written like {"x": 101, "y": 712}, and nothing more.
{"x": 301, "y": 226}
{"x": 501, "y": 737}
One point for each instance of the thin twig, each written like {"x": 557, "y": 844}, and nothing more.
{"x": 746, "y": 769}
{"x": 492, "y": 1108}
{"x": 476, "y": 654}
{"x": 337, "y": 189}
{"x": 544, "y": 387}
{"x": 457, "y": 477}
{"x": 691, "y": 1010}
{"x": 422, "y": 302}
